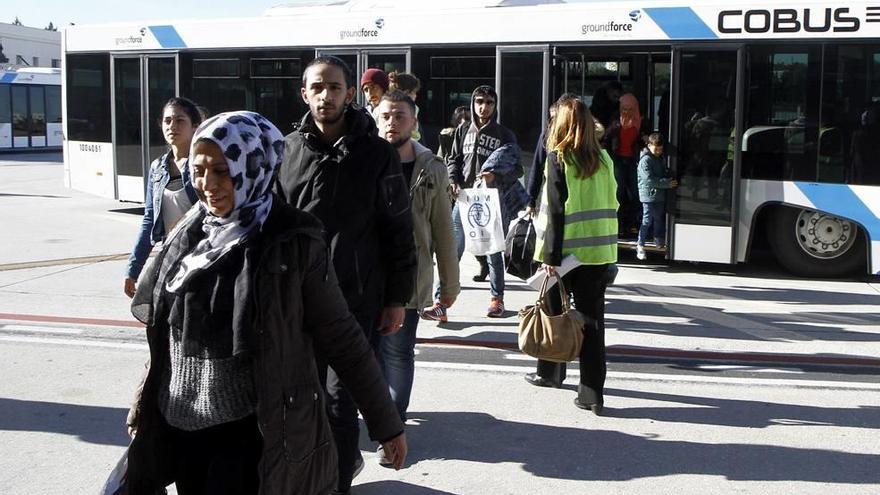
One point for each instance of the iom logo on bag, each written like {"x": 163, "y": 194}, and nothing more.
{"x": 478, "y": 215}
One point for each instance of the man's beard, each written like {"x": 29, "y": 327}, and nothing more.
{"x": 400, "y": 142}
{"x": 330, "y": 119}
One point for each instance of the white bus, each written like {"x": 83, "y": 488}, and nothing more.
{"x": 30, "y": 109}
{"x": 771, "y": 108}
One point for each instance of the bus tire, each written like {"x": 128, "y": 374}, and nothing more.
{"x": 812, "y": 244}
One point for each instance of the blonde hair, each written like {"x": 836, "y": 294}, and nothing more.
{"x": 572, "y": 135}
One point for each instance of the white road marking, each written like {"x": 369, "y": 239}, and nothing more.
{"x": 745, "y": 368}
{"x": 75, "y": 342}
{"x": 656, "y": 377}
{"x": 572, "y": 371}
{"x": 836, "y": 327}
{"x": 660, "y": 320}
{"x": 750, "y": 307}
{"x": 37, "y": 329}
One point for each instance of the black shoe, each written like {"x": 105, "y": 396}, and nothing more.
{"x": 484, "y": 272}
{"x": 539, "y": 381}
{"x": 596, "y": 408}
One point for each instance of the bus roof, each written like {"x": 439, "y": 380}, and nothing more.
{"x": 364, "y": 23}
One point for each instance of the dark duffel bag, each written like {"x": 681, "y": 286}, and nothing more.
{"x": 519, "y": 248}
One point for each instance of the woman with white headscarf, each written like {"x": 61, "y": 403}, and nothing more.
{"x": 234, "y": 304}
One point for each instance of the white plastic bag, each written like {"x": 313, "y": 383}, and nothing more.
{"x": 480, "y": 211}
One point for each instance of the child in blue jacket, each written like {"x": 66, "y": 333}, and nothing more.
{"x": 654, "y": 180}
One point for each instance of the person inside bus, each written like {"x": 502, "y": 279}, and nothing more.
{"x": 169, "y": 192}
{"x": 605, "y": 103}
{"x": 337, "y": 168}
{"x": 654, "y": 181}
{"x": 624, "y": 140}
{"x": 228, "y": 409}
{"x": 579, "y": 183}
{"x": 472, "y": 145}
{"x": 459, "y": 116}
{"x": 410, "y": 85}
{"x": 374, "y": 84}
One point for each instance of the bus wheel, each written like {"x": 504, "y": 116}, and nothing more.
{"x": 814, "y": 244}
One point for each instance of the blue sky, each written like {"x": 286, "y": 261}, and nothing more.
{"x": 38, "y": 13}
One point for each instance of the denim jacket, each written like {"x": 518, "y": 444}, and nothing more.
{"x": 152, "y": 227}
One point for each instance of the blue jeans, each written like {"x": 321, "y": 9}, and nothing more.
{"x": 398, "y": 361}
{"x": 496, "y": 261}
{"x": 653, "y": 216}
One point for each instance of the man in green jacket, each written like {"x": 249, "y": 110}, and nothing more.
{"x": 432, "y": 230}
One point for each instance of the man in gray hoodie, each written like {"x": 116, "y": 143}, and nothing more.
{"x": 472, "y": 145}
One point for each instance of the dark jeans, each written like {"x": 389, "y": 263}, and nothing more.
{"x": 221, "y": 460}
{"x": 586, "y": 285}
{"x": 398, "y": 361}
{"x": 626, "y": 176}
{"x": 342, "y": 411}
{"x": 653, "y": 219}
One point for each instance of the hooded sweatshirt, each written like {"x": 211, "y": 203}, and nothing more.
{"x": 473, "y": 144}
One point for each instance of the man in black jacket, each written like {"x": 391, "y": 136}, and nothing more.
{"x": 337, "y": 168}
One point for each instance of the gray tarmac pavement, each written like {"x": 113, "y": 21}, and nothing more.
{"x": 721, "y": 379}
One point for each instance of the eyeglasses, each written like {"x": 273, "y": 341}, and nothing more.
{"x": 480, "y": 101}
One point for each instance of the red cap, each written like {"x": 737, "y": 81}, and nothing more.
{"x": 375, "y": 76}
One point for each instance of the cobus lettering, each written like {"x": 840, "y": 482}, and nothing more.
{"x": 787, "y": 21}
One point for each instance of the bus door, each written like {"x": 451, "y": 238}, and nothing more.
{"x": 704, "y": 155}
{"x": 141, "y": 86}
{"x": 522, "y": 80}
{"x": 387, "y": 59}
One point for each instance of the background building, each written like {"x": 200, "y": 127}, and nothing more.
{"x": 29, "y": 46}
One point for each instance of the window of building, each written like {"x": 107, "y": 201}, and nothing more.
{"x": 56, "y": 63}
{"x": 36, "y": 61}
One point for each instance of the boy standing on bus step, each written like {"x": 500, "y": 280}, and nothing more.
{"x": 472, "y": 144}
{"x": 654, "y": 180}
{"x": 337, "y": 168}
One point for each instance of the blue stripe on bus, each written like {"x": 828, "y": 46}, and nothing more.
{"x": 839, "y": 200}
{"x": 680, "y": 23}
{"x": 8, "y": 77}
{"x": 167, "y": 36}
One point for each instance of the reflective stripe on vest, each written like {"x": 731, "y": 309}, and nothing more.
{"x": 590, "y": 232}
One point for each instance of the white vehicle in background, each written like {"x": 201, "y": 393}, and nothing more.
{"x": 30, "y": 109}
{"x": 769, "y": 108}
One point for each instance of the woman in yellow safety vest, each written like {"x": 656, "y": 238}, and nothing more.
{"x": 580, "y": 219}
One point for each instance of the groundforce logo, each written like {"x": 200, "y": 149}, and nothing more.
{"x": 363, "y": 33}
{"x": 132, "y": 40}
{"x": 611, "y": 26}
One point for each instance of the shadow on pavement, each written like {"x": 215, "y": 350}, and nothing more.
{"x": 596, "y": 454}
{"x": 93, "y": 424}
{"x": 743, "y": 413}
{"x": 391, "y": 487}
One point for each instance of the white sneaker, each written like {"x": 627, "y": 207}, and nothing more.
{"x": 640, "y": 253}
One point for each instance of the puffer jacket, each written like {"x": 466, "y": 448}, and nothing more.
{"x": 297, "y": 310}
{"x": 357, "y": 190}
{"x": 504, "y": 163}
{"x": 432, "y": 229}
{"x": 653, "y": 178}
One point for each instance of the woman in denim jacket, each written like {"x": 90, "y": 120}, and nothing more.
{"x": 168, "y": 183}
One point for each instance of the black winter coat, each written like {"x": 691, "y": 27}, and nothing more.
{"x": 298, "y": 310}
{"x": 357, "y": 190}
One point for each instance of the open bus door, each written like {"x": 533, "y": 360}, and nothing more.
{"x": 141, "y": 85}
{"x": 705, "y": 153}
{"x": 522, "y": 80}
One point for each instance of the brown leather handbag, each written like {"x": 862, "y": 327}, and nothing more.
{"x": 551, "y": 338}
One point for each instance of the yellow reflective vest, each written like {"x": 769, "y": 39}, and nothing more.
{"x": 590, "y": 232}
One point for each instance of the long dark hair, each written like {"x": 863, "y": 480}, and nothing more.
{"x": 188, "y": 106}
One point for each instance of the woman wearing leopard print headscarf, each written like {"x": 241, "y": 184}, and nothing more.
{"x": 234, "y": 304}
